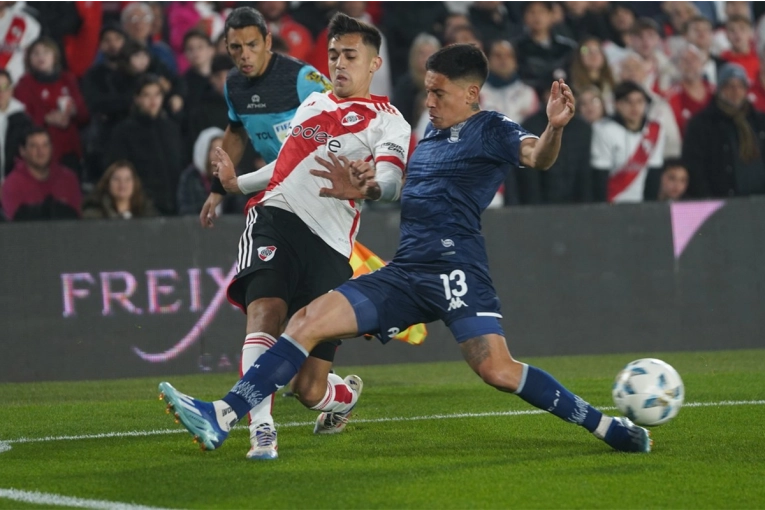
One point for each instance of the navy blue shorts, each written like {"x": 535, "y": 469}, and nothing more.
{"x": 393, "y": 298}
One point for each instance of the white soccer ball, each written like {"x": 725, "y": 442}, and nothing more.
{"x": 649, "y": 392}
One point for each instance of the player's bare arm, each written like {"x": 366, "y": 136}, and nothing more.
{"x": 541, "y": 153}
{"x": 224, "y": 170}
{"x": 234, "y": 143}
{"x": 351, "y": 180}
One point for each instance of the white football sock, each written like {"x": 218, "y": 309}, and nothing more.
{"x": 255, "y": 344}
{"x": 225, "y": 415}
{"x": 338, "y": 398}
{"x": 602, "y": 429}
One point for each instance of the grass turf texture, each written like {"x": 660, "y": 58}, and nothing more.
{"x": 708, "y": 457}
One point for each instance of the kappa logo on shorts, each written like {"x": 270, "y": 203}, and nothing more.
{"x": 266, "y": 253}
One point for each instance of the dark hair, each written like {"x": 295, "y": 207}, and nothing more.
{"x": 243, "y": 17}
{"x": 131, "y": 47}
{"x": 111, "y": 27}
{"x": 615, "y": 6}
{"x": 144, "y": 81}
{"x": 4, "y": 72}
{"x": 547, "y": 5}
{"x": 626, "y": 88}
{"x": 496, "y": 42}
{"x": 451, "y": 37}
{"x": 279, "y": 45}
{"x": 194, "y": 33}
{"x": 460, "y": 61}
{"x": 33, "y": 130}
{"x": 674, "y": 163}
{"x": 342, "y": 24}
{"x": 221, "y": 63}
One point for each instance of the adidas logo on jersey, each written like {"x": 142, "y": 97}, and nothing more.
{"x": 351, "y": 119}
{"x": 266, "y": 253}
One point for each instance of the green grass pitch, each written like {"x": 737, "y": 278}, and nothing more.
{"x": 423, "y": 436}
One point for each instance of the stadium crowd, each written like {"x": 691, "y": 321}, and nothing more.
{"x": 110, "y": 109}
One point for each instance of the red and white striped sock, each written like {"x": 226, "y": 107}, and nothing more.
{"x": 255, "y": 344}
{"x": 338, "y": 398}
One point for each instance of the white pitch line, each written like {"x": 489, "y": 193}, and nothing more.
{"x": 157, "y": 432}
{"x": 45, "y": 498}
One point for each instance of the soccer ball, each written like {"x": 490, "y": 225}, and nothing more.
{"x": 649, "y": 392}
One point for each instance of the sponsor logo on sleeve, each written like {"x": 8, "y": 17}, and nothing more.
{"x": 282, "y": 130}
{"x": 394, "y": 147}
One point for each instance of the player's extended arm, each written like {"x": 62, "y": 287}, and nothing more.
{"x": 541, "y": 153}
{"x": 234, "y": 143}
{"x": 244, "y": 184}
{"x": 257, "y": 181}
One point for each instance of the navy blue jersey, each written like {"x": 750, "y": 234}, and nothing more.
{"x": 451, "y": 179}
{"x": 265, "y": 105}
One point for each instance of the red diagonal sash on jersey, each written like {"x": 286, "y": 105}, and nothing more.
{"x": 621, "y": 180}
{"x": 12, "y": 40}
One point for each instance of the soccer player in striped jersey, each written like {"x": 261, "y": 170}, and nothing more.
{"x": 440, "y": 271}
{"x": 301, "y": 230}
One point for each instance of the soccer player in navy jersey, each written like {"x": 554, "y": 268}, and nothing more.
{"x": 440, "y": 271}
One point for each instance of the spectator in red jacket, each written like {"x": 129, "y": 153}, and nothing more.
{"x": 280, "y": 23}
{"x": 741, "y": 36}
{"x": 52, "y": 99}
{"x": 693, "y": 93}
{"x": 81, "y": 47}
{"x": 39, "y": 188}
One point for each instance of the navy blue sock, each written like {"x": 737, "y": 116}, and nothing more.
{"x": 272, "y": 370}
{"x": 541, "y": 390}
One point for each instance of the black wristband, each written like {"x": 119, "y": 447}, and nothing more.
{"x": 217, "y": 187}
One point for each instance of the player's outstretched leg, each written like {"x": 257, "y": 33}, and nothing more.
{"x": 541, "y": 390}
{"x": 490, "y": 359}
{"x": 208, "y": 422}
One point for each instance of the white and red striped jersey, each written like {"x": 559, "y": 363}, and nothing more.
{"x": 366, "y": 129}
{"x": 18, "y": 30}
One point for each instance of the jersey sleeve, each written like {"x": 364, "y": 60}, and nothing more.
{"x": 233, "y": 117}
{"x": 310, "y": 80}
{"x": 390, "y": 153}
{"x": 502, "y": 140}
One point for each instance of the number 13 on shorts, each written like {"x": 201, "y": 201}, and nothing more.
{"x": 455, "y": 286}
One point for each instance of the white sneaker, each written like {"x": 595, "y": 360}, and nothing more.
{"x": 334, "y": 423}
{"x": 263, "y": 441}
